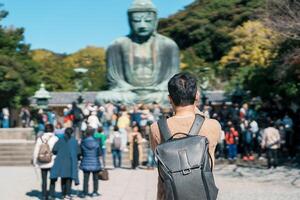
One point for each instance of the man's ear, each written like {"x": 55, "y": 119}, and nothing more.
{"x": 170, "y": 100}
{"x": 197, "y": 99}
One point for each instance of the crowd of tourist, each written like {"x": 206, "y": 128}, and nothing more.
{"x": 88, "y": 132}
{"x": 84, "y": 136}
{"x": 249, "y": 133}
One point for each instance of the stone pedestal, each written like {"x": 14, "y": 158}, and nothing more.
{"x": 133, "y": 97}
{"x": 16, "y": 146}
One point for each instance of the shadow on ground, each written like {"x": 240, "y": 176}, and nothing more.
{"x": 38, "y": 194}
{"x": 34, "y": 193}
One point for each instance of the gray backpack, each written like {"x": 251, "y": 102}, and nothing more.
{"x": 184, "y": 164}
{"x": 117, "y": 143}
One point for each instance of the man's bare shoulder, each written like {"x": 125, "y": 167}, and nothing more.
{"x": 154, "y": 135}
{"x": 212, "y": 128}
{"x": 213, "y": 124}
{"x": 154, "y": 128}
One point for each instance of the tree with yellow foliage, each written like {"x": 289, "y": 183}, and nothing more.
{"x": 92, "y": 58}
{"x": 57, "y": 70}
{"x": 255, "y": 45}
{"x": 52, "y": 71}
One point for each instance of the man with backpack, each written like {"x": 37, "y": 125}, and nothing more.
{"x": 116, "y": 145}
{"x": 78, "y": 116}
{"x": 184, "y": 145}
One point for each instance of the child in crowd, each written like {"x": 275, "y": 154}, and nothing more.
{"x": 59, "y": 130}
{"x": 231, "y": 138}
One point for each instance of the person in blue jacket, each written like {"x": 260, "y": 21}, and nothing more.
{"x": 65, "y": 166}
{"x": 90, "y": 163}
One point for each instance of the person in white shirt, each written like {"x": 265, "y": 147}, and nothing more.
{"x": 46, "y": 138}
{"x": 271, "y": 142}
{"x": 93, "y": 121}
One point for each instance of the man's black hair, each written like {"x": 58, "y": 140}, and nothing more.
{"x": 74, "y": 104}
{"x": 183, "y": 89}
{"x": 68, "y": 133}
{"x": 90, "y": 131}
{"x": 116, "y": 128}
{"x": 49, "y": 128}
{"x": 100, "y": 129}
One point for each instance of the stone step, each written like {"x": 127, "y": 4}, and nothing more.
{"x": 15, "y": 163}
{"x": 16, "y": 145}
{"x": 4, "y": 145}
{"x": 15, "y": 157}
{"x": 19, "y": 153}
{"x": 16, "y": 133}
{"x": 16, "y": 150}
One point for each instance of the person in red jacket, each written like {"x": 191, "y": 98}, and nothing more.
{"x": 231, "y": 138}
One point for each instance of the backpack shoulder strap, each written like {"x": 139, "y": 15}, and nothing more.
{"x": 45, "y": 141}
{"x": 48, "y": 139}
{"x": 164, "y": 130}
{"x": 198, "y": 122}
{"x": 41, "y": 138}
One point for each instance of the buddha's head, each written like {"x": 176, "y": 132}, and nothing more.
{"x": 142, "y": 16}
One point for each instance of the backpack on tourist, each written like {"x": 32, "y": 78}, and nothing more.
{"x": 184, "y": 164}
{"x": 77, "y": 114}
{"x": 45, "y": 154}
{"x": 117, "y": 143}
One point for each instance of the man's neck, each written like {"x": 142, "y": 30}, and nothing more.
{"x": 185, "y": 110}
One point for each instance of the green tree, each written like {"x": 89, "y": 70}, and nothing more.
{"x": 255, "y": 45}
{"x": 92, "y": 58}
{"x": 202, "y": 31}
{"x": 52, "y": 70}
{"x": 280, "y": 81}
{"x": 205, "y": 26}
{"x": 18, "y": 73}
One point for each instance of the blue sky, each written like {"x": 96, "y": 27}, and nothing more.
{"x": 65, "y": 26}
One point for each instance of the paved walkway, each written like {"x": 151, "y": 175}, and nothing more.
{"x": 235, "y": 183}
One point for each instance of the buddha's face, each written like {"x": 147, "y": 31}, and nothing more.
{"x": 142, "y": 24}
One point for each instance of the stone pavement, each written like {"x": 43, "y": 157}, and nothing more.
{"x": 235, "y": 183}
